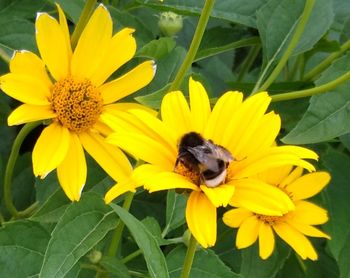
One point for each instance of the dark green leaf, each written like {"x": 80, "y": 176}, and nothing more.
{"x": 154, "y": 257}
{"x": 115, "y": 267}
{"x": 277, "y": 21}
{"x": 17, "y": 34}
{"x": 22, "y": 248}
{"x": 156, "y": 49}
{"x": 81, "y": 227}
{"x": 175, "y": 210}
{"x": 206, "y": 264}
{"x": 337, "y": 197}
{"x": 253, "y": 266}
{"x": 53, "y": 208}
{"x": 238, "y": 11}
{"x": 72, "y": 9}
{"x": 328, "y": 114}
{"x": 20, "y": 8}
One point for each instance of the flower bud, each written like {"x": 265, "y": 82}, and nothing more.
{"x": 94, "y": 256}
{"x": 170, "y": 23}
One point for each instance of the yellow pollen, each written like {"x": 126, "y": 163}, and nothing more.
{"x": 192, "y": 175}
{"x": 78, "y": 104}
{"x": 270, "y": 220}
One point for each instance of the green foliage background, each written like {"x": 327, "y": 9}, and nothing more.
{"x": 59, "y": 239}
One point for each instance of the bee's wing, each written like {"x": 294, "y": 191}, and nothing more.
{"x": 204, "y": 154}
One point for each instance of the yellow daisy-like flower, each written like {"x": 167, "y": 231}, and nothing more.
{"x": 69, "y": 88}
{"x": 293, "y": 226}
{"x": 243, "y": 131}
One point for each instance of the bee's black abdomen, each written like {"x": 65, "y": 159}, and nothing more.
{"x": 191, "y": 139}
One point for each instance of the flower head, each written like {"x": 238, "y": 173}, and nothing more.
{"x": 293, "y": 226}
{"x": 240, "y": 130}
{"x": 69, "y": 87}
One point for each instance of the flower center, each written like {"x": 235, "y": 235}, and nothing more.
{"x": 191, "y": 174}
{"x": 78, "y": 104}
{"x": 270, "y": 220}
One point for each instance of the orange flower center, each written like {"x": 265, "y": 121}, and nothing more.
{"x": 270, "y": 220}
{"x": 78, "y": 104}
{"x": 194, "y": 176}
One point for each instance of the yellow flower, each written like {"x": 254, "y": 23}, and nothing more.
{"x": 293, "y": 226}
{"x": 68, "y": 86}
{"x": 241, "y": 127}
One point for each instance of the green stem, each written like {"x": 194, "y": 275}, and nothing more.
{"x": 131, "y": 256}
{"x": 113, "y": 247}
{"x": 248, "y": 62}
{"x": 197, "y": 37}
{"x": 29, "y": 210}
{"x": 83, "y": 20}
{"x": 292, "y": 44}
{"x": 11, "y": 164}
{"x": 4, "y": 56}
{"x": 313, "y": 91}
{"x": 191, "y": 250}
{"x": 326, "y": 62}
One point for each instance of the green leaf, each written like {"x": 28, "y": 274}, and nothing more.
{"x": 276, "y": 28}
{"x": 175, "y": 210}
{"x": 206, "y": 264}
{"x": 115, "y": 266}
{"x": 154, "y": 257}
{"x": 167, "y": 68}
{"x": 328, "y": 114}
{"x": 16, "y": 34}
{"x": 237, "y": 11}
{"x": 208, "y": 52}
{"x": 80, "y": 228}
{"x": 53, "y": 208}
{"x": 22, "y": 248}
{"x": 337, "y": 198}
{"x": 20, "y": 8}
{"x": 253, "y": 266}
{"x": 72, "y": 9}
{"x": 156, "y": 49}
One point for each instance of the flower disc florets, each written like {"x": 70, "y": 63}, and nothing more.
{"x": 78, "y": 104}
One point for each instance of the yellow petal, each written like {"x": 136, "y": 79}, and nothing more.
{"x": 109, "y": 157}
{"x": 119, "y": 189}
{"x": 27, "y": 63}
{"x": 120, "y": 49}
{"x": 53, "y": 46}
{"x": 275, "y": 176}
{"x": 262, "y": 137}
{"x": 176, "y": 113}
{"x": 25, "y": 88}
{"x": 307, "y": 229}
{"x": 309, "y": 213}
{"x": 30, "y": 113}
{"x": 93, "y": 44}
{"x": 219, "y": 196}
{"x": 234, "y": 217}
{"x": 260, "y": 197}
{"x": 223, "y": 112}
{"x": 168, "y": 180}
{"x": 64, "y": 26}
{"x": 161, "y": 131}
{"x": 248, "y": 232}
{"x": 144, "y": 148}
{"x": 272, "y": 158}
{"x": 145, "y": 172}
{"x": 125, "y": 106}
{"x": 308, "y": 185}
{"x": 72, "y": 171}
{"x": 241, "y": 129}
{"x": 295, "y": 174}
{"x": 266, "y": 241}
{"x": 50, "y": 149}
{"x": 296, "y": 240}
{"x": 129, "y": 83}
{"x": 200, "y": 106}
{"x": 201, "y": 219}
{"x": 102, "y": 128}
